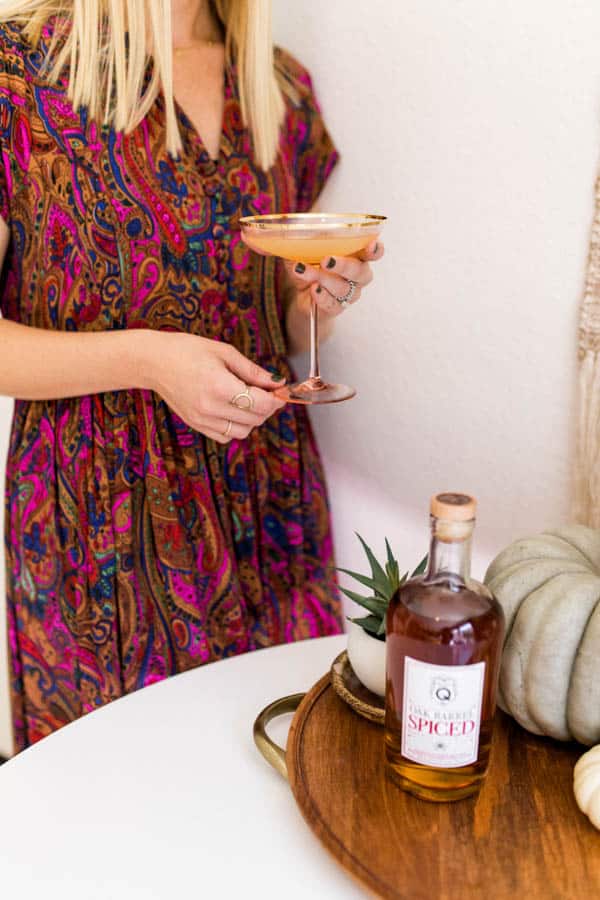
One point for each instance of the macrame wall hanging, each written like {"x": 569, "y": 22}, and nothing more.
{"x": 587, "y": 473}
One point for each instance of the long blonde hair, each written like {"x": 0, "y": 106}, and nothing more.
{"x": 107, "y": 74}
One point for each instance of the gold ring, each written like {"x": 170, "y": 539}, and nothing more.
{"x": 227, "y": 431}
{"x": 243, "y": 400}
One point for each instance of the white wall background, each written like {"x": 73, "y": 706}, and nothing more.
{"x": 475, "y": 126}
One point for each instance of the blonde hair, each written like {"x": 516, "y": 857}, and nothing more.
{"x": 107, "y": 74}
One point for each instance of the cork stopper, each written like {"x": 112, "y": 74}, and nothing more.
{"x": 453, "y": 507}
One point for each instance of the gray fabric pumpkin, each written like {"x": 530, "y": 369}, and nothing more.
{"x": 549, "y": 589}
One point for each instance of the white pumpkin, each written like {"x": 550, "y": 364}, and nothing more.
{"x": 586, "y": 785}
{"x": 549, "y": 588}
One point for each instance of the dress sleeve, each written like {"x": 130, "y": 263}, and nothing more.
{"x": 15, "y": 142}
{"x": 314, "y": 153}
{"x": 6, "y": 117}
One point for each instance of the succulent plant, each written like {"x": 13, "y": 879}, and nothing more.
{"x": 383, "y": 582}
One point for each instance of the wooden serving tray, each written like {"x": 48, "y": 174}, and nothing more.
{"x": 522, "y": 836}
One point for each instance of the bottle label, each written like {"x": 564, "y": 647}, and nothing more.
{"x": 441, "y": 713}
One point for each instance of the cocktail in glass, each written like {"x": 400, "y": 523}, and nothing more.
{"x": 309, "y": 238}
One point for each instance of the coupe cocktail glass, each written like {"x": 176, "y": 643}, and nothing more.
{"x": 309, "y": 238}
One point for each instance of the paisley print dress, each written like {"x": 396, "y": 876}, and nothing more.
{"x": 136, "y": 548}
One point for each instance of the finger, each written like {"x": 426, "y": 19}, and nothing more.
{"x": 338, "y": 286}
{"x": 216, "y": 436}
{"x": 301, "y": 275}
{"x": 325, "y": 302}
{"x": 245, "y": 417}
{"x": 264, "y": 403}
{"x": 248, "y": 371}
{"x": 349, "y": 268}
{"x": 374, "y": 251}
{"x": 221, "y": 427}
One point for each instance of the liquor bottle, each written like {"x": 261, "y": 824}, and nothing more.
{"x": 444, "y": 635}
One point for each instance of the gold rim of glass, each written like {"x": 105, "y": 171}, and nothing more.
{"x": 310, "y": 220}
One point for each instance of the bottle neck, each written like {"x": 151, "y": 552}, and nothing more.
{"x": 450, "y": 550}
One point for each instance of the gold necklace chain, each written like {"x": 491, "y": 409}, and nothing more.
{"x": 196, "y": 46}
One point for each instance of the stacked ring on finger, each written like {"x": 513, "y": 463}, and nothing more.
{"x": 227, "y": 431}
{"x": 243, "y": 400}
{"x": 347, "y": 298}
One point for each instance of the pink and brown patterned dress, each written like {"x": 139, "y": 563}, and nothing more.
{"x": 137, "y": 548}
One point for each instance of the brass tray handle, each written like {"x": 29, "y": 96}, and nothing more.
{"x": 272, "y": 752}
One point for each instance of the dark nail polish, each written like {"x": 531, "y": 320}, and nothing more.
{"x": 330, "y": 262}
{"x": 278, "y": 377}
{"x": 300, "y": 268}
{"x": 319, "y": 289}
{"x": 375, "y": 248}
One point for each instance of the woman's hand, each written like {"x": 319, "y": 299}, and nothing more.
{"x": 327, "y": 284}
{"x": 199, "y": 378}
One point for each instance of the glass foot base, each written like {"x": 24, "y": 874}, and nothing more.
{"x": 314, "y": 391}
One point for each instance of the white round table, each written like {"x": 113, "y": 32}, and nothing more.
{"x": 163, "y": 794}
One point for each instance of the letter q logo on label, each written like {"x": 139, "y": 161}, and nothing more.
{"x": 443, "y": 690}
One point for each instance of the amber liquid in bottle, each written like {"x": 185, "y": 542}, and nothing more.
{"x": 440, "y": 699}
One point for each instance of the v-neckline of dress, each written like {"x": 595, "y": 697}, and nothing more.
{"x": 209, "y": 165}
{"x": 229, "y": 134}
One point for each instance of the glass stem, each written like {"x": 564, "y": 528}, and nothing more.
{"x": 315, "y": 374}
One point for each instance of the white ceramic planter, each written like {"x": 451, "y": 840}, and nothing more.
{"x": 367, "y": 658}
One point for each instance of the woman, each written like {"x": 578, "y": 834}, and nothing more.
{"x": 152, "y": 524}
